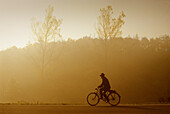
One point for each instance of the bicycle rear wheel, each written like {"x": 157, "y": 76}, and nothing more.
{"x": 92, "y": 99}
{"x": 114, "y": 99}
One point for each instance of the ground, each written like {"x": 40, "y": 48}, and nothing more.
{"x": 82, "y": 109}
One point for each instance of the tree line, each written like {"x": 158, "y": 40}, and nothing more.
{"x": 137, "y": 68}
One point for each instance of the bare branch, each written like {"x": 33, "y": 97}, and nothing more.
{"x": 109, "y": 27}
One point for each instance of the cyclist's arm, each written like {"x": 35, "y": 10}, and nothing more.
{"x": 101, "y": 85}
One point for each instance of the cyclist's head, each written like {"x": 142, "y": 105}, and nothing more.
{"x": 102, "y": 74}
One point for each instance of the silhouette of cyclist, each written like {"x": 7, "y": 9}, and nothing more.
{"x": 104, "y": 87}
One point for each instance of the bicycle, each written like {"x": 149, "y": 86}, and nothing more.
{"x": 113, "y": 97}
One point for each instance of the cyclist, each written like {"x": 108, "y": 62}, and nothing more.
{"x": 104, "y": 87}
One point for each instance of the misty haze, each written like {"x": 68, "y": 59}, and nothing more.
{"x": 56, "y": 56}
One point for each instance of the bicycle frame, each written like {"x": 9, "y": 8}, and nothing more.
{"x": 97, "y": 91}
{"x": 107, "y": 93}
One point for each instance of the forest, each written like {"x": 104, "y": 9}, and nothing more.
{"x": 137, "y": 68}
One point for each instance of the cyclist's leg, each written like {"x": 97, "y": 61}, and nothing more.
{"x": 104, "y": 94}
{"x": 101, "y": 93}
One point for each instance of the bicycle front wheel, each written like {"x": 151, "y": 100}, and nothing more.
{"x": 114, "y": 99}
{"x": 93, "y": 99}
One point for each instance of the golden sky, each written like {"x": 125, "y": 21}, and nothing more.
{"x": 148, "y": 18}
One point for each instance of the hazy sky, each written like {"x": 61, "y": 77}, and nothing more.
{"x": 148, "y": 18}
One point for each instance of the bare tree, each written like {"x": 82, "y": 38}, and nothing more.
{"x": 46, "y": 32}
{"x": 109, "y": 27}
